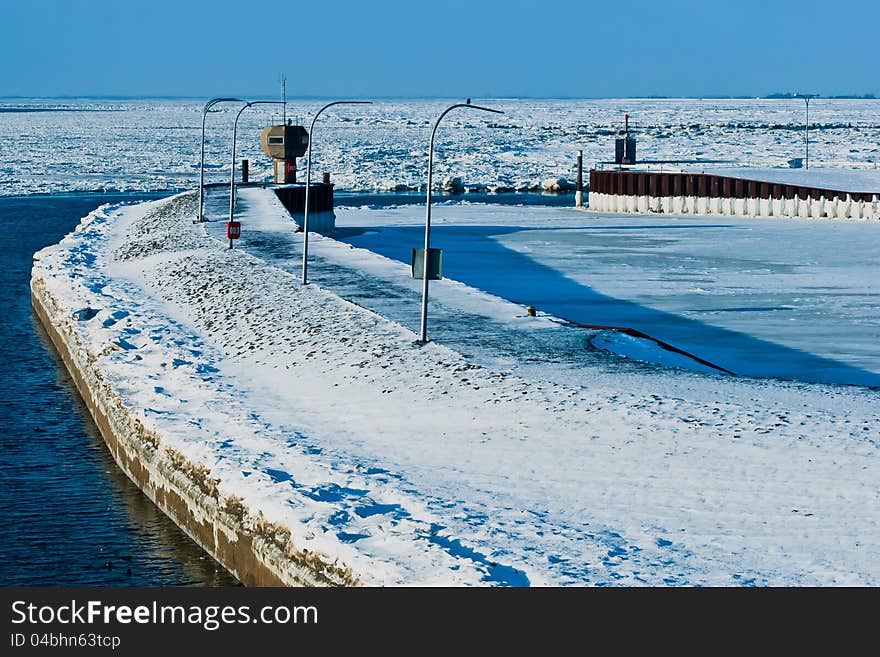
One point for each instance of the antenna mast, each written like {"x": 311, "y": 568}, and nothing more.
{"x": 283, "y": 99}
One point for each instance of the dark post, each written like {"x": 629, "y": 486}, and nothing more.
{"x": 244, "y": 170}
{"x": 579, "y": 190}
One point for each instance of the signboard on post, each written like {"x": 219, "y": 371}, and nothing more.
{"x": 233, "y": 231}
{"x": 435, "y": 264}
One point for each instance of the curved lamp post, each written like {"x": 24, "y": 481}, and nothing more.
{"x": 208, "y": 106}
{"x": 423, "y": 333}
{"x": 305, "y": 264}
{"x": 234, "y": 134}
{"x": 807, "y": 98}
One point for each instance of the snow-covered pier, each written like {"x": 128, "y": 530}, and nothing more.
{"x": 303, "y": 439}
{"x": 642, "y": 192}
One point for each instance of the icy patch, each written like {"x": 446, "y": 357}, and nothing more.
{"x": 645, "y": 350}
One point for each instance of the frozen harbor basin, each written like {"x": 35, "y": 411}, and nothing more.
{"x": 511, "y": 454}
{"x": 758, "y": 297}
{"x": 786, "y": 298}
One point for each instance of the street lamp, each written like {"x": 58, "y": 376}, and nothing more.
{"x": 423, "y": 333}
{"x": 208, "y": 106}
{"x": 305, "y": 264}
{"x": 807, "y": 98}
{"x": 234, "y": 132}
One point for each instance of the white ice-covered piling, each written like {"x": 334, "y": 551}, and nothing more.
{"x": 677, "y": 193}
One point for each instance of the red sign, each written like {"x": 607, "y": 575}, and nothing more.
{"x": 291, "y": 166}
{"x": 233, "y": 230}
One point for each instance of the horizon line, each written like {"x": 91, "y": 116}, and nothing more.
{"x": 772, "y": 96}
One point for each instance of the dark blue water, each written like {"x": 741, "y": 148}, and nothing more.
{"x": 69, "y": 516}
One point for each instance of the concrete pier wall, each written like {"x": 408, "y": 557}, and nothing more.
{"x": 256, "y": 552}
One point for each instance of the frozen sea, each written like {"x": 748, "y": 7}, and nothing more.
{"x": 54, "y": 145}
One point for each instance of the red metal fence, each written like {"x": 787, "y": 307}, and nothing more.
{"x": 646, "y": 183}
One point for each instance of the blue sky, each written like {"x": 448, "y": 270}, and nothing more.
{"x": 488, "y": 48}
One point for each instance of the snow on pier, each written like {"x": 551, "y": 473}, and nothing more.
{"x": 303, "y": 439}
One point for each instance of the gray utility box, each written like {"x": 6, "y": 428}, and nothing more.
{"x": 435, "y": 264}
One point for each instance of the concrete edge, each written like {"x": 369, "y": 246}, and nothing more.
{"x": 256, "y": 552}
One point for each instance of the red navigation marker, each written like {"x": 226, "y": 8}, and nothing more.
{"x": 233, "y": 230}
